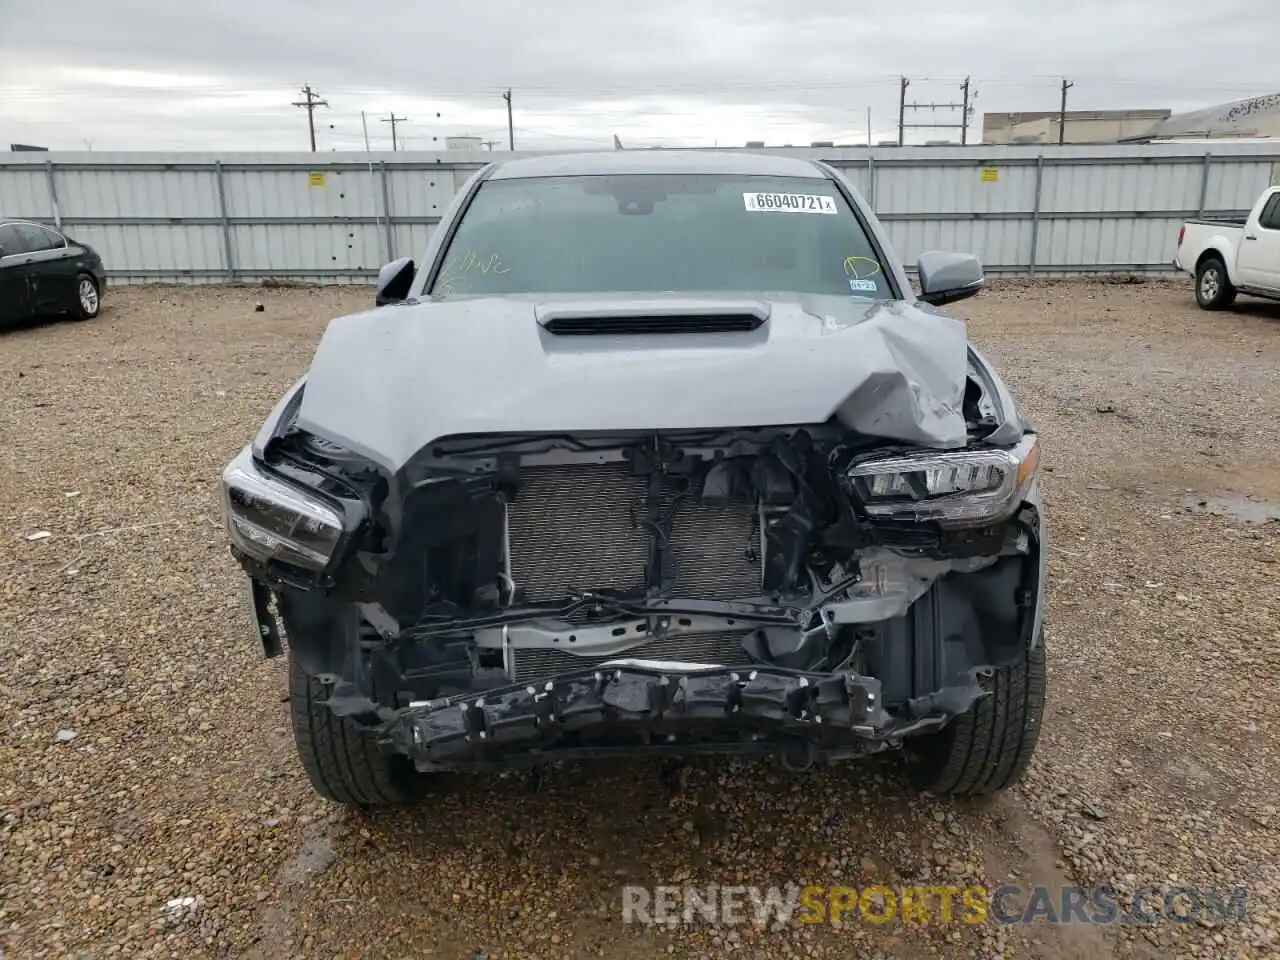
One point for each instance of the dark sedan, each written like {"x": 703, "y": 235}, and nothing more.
{"x": 44, "y": 272}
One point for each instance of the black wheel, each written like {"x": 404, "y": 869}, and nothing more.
{"x": 343, "y": 763}
{"x": 988, "y": 748}
{"x": 1213, "y": 288}
{"x": 88, "y": 298}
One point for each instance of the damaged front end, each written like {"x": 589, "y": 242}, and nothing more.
{"x": 511, "y": 598}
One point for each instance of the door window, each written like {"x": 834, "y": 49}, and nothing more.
{"x": 10, "y": 242}
{"x": 1269, "y": 219}
{"x": 36, "y": 238}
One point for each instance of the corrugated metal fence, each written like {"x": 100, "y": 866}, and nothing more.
{"x": 335, "y": 217}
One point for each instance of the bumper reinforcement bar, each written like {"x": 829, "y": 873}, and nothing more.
{"x": 786, "y": 703}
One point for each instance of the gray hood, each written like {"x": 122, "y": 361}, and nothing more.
{"x": 387, "y": 382}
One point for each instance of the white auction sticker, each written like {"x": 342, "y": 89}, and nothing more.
{"x": 789, "y": 203}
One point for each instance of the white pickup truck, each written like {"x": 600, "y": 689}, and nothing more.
{"x": 1227, "y": 257}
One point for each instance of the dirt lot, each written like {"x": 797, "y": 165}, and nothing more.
{"x": 145, "y": 756}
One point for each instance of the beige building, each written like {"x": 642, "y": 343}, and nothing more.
{"x": 1082, "y": 126}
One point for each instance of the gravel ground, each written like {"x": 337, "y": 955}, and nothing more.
{"x": 151, "y": 803}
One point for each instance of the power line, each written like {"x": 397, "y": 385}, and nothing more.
{"x": 634, "y": 107}
{"x": 392, "y": 119}
{"x": 311, "y": 101}
{"x": 564, "y": 136}
{"x": 1028, "y": 81}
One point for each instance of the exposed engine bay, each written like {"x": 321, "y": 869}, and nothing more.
{"x": 503, "y": 560}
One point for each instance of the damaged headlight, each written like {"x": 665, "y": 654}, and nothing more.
{"x": 270, "y": 519}
{"x": 955, "y": 488}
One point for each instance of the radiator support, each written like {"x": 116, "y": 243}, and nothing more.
{"x": 594, "y": 527}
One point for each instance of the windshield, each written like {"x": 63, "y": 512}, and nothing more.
{"x": 656, "y": 233}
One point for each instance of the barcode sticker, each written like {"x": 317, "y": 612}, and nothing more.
{"x": 789, "y": 203}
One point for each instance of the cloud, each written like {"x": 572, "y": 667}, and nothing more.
{"x": 132, "y": 74}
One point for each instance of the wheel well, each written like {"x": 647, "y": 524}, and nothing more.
{"x": 321, "y": 631}
{"x": 1207, "y": 256}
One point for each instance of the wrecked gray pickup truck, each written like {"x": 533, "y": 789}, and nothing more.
{"x": 653, "y": 453}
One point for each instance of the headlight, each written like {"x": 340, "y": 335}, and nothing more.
{"x": 270, "y": 519}
{"x": 960, "y": 488}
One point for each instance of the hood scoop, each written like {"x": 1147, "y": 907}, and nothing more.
{"x": 668, "y": 316}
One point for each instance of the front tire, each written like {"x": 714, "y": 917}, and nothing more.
{"x": 88, "y": 298}
{"x": 343, "y": 763}
{"x": 1214, "y": 290}
{"x": 988, "y": 748}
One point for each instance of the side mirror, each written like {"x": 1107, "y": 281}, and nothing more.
{"x": 948, "y": 277}
{"x": 394, "y": 281}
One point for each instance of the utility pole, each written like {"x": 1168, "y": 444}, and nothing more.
{"x": 311, "y": 101}
{"x": 962, "y": 126}
{"x": 511, "y": 130}
{"x": 392, "y": 119}
{"x": 490, "y": 144}
{"x": 902, "y": 108}
{"x": 1062, "y": 112}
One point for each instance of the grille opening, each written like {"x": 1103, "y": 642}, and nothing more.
{"x": 653, "y": 324}
{"x": 577, "y": 528}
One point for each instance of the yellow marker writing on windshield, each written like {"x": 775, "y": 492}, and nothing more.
{"x": 473, "y": 261}
{"x": 860, "y": 268}
{"x": 469, "y": 262}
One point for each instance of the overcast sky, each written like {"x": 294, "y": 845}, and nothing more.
{"x": 182, "y": 75}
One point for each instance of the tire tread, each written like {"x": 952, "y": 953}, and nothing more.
{"x": 990, "y": 747}
{"x": 343, "y": 763}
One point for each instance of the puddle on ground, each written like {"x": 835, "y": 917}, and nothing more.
{"x": 1236, "y": 507}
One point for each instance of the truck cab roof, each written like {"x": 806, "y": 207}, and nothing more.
{"x": 656, "y": 162}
